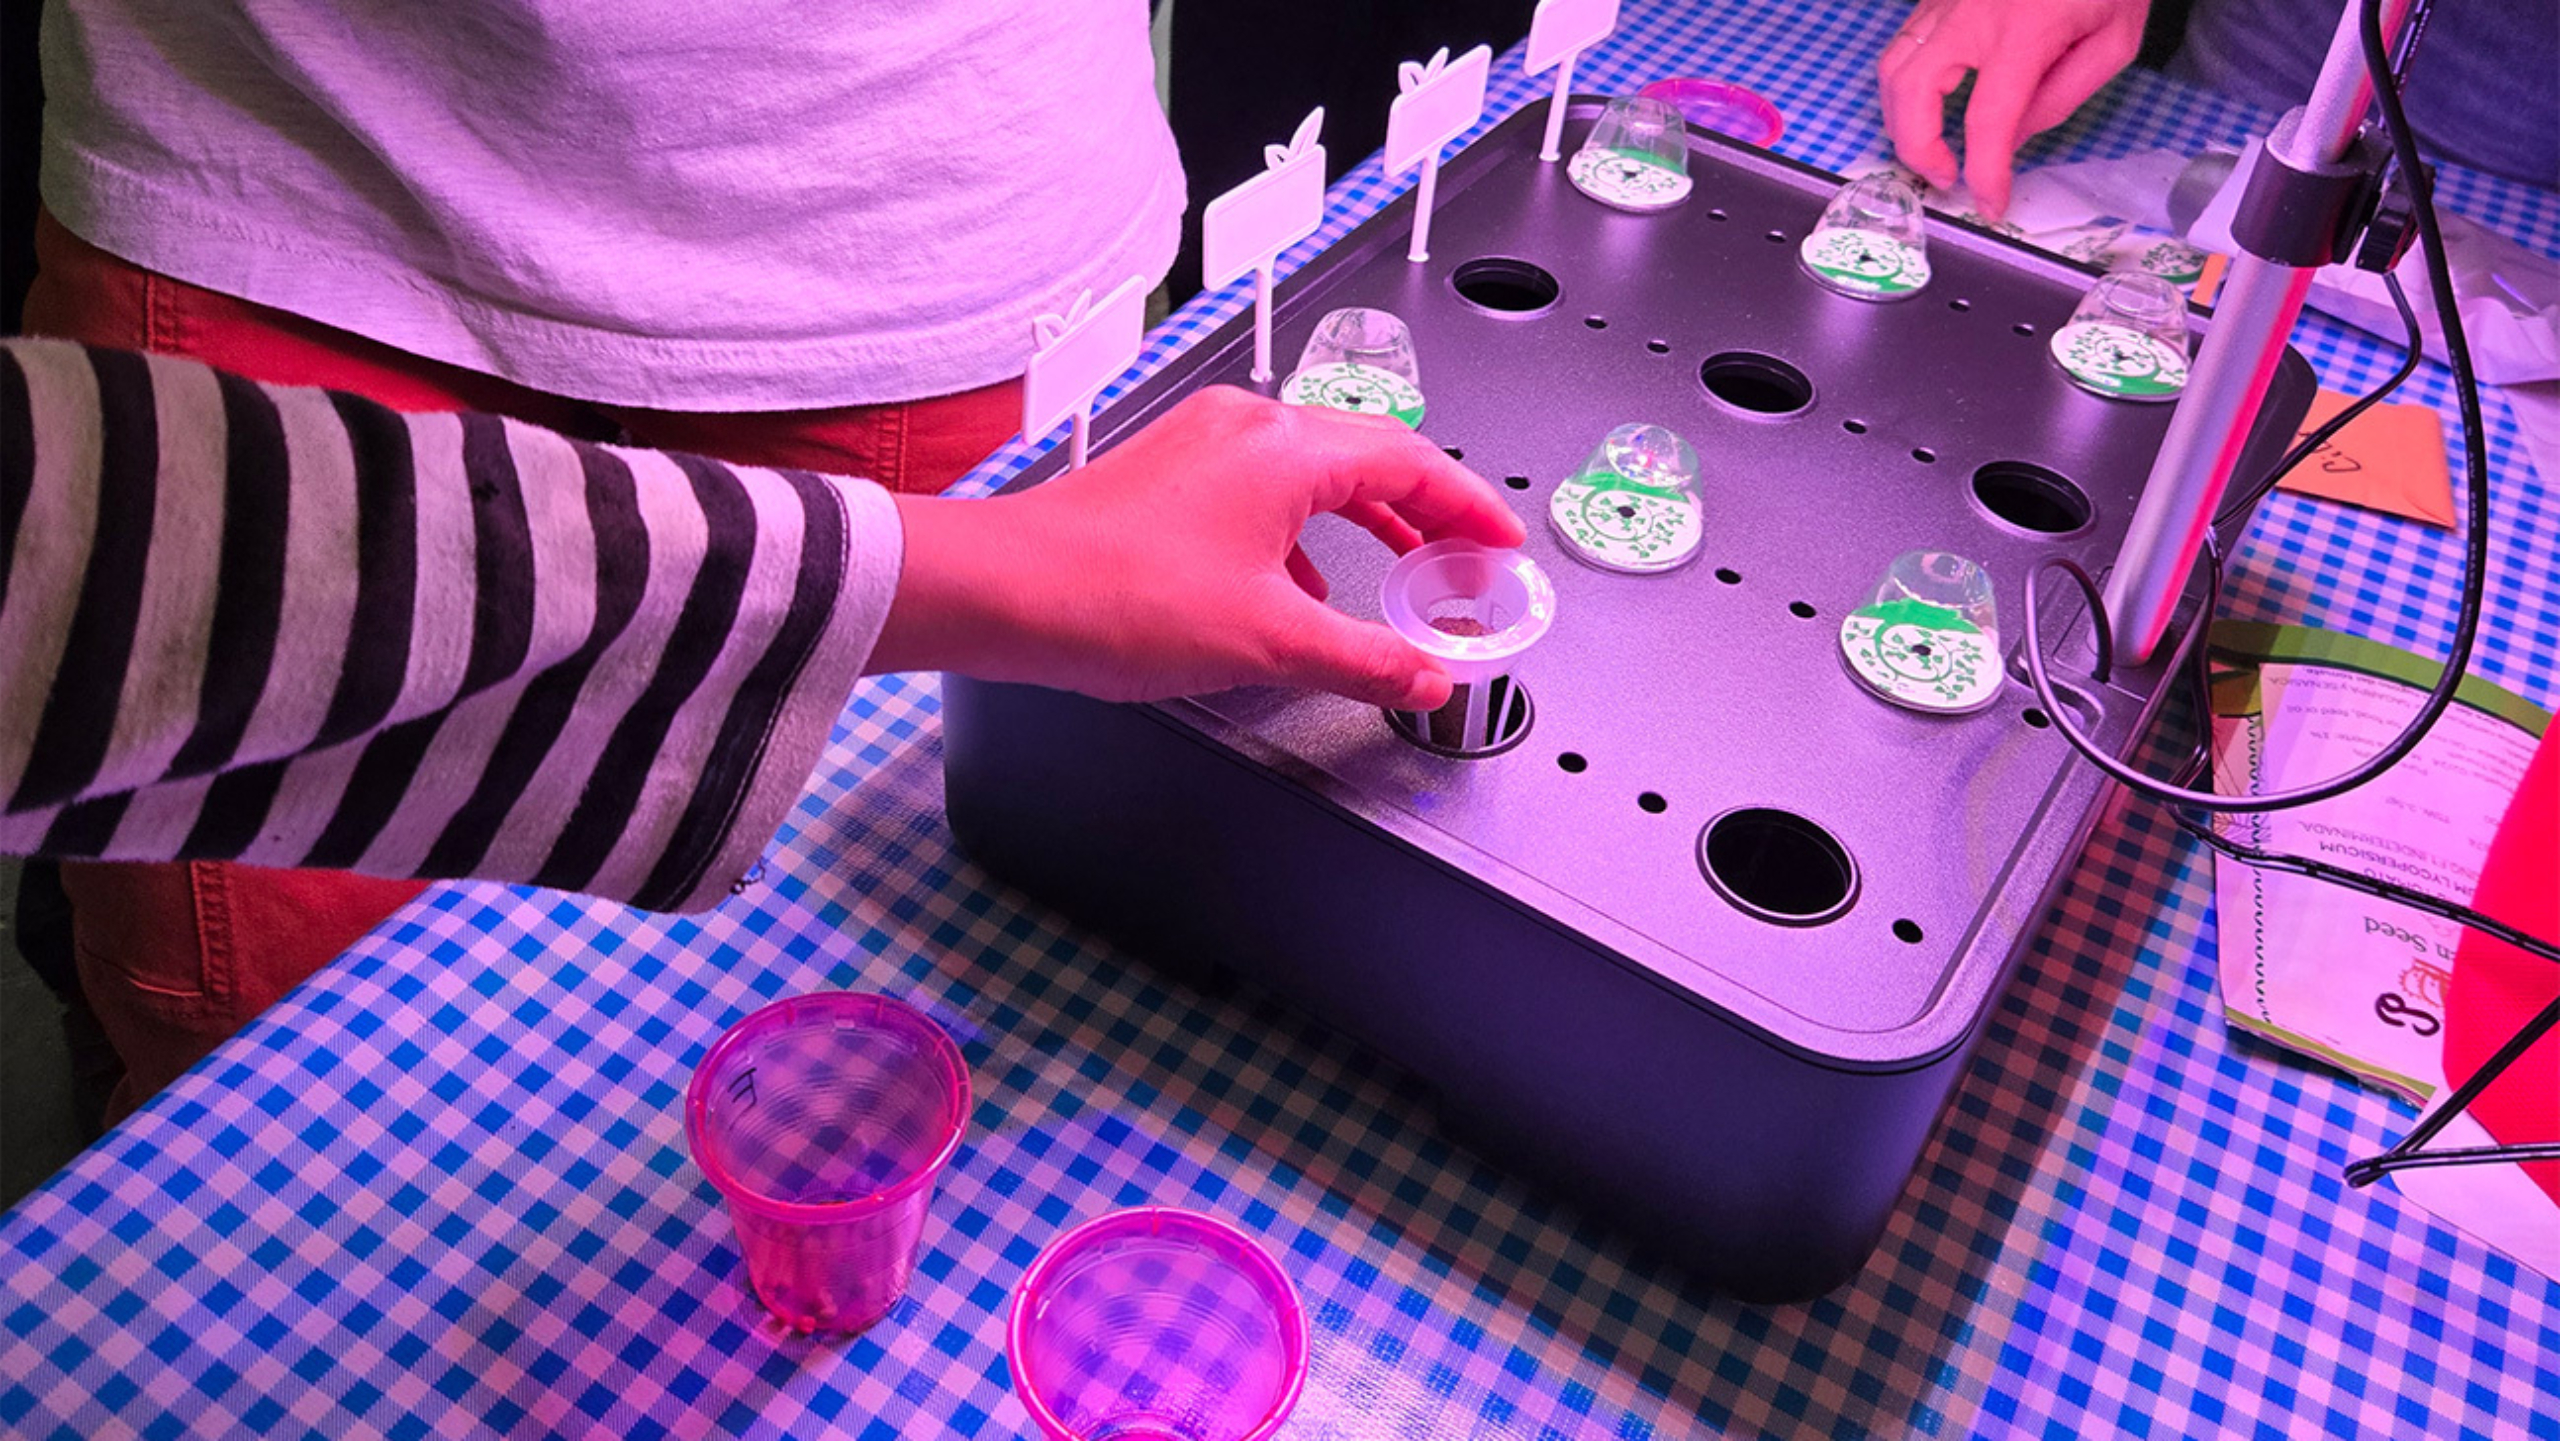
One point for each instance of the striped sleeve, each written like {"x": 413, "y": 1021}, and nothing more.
{"x": 293, "y": 628}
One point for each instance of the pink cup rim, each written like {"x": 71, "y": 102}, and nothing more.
{"x": 794, "y": 1011}
{"x": 1723, "y": 93}
{"x": 1158, "y": 1220}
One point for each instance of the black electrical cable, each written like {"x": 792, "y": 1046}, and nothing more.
{"x": 2476, "y": 542}
{"x": 2310, "y": 444}
{"x": 2374, "y": 1168}
{"x": 2374, "y": 886}
{"x": 2406, "y": 1154}
{"x": 2199, "y": 764}
{"x": 2413, "y": 31}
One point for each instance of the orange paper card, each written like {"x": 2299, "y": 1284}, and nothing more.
{"x": 2391, "y": 458}
{"x": 2208, "y": 286}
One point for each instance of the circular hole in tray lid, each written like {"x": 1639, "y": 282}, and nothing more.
{"x": 1778, "y": 866}
{"x": 1505, "y": 286}
{"x": 2031, "y": 498}
{"x": 1755, "y": 383}
{"x": 1450, "y": 731}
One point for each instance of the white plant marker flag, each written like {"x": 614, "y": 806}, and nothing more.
{"x": 1075, "y": 355}
{"x": 1247, "y": 228}
{"x": 1560, "y": 31}
{"x": 1439, "y": 103}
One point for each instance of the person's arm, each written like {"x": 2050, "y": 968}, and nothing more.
{"x": 2034, "y": 62}
{"x": 1168, "y": 566}
{"x": 294, "y": 628}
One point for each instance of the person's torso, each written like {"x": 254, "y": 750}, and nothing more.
{"x": 2483, "y": 92}
{"x": 748, "y": 205}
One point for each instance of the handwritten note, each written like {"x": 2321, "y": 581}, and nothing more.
{"x": 2390, "y": 459}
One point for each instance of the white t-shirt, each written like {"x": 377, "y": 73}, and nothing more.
{"x": 739, "y": 205}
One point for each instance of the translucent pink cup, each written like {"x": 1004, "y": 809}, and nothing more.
{"x": 1724, "y": 108}
{"x": 824, "y": 1120}
{"x": 1156, "y": 1325}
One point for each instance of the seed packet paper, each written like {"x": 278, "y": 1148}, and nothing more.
{"x": 2359, "y": 983}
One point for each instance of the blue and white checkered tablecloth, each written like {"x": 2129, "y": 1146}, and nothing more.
{"x": 442, "y": 1189}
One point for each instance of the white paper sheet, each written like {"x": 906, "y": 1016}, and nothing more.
{"x": 2356, "y": 982}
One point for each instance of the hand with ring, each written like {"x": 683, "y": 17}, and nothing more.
{"x": 2034, "y": 62}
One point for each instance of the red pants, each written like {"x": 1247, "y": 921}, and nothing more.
{"x": 176, "y": 957}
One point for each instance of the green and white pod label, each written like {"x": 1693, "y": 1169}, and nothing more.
{"x": 2119, "y": 361}
{"x": 1626, "y": 180}
{"x": 1922, "y": 657}
{"x": 2174, "y": 261}
{"x": 1359, "y": 389}
{"x": 1618, "y": 524}
{"x": 2088, "y": 244}
{"x": 1868, "y": 264}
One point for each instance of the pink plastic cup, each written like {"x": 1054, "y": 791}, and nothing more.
{"x": 1724, "y": 108}
{"x": 1156, "y": 1325}
{"x": 824, "y": 1120}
